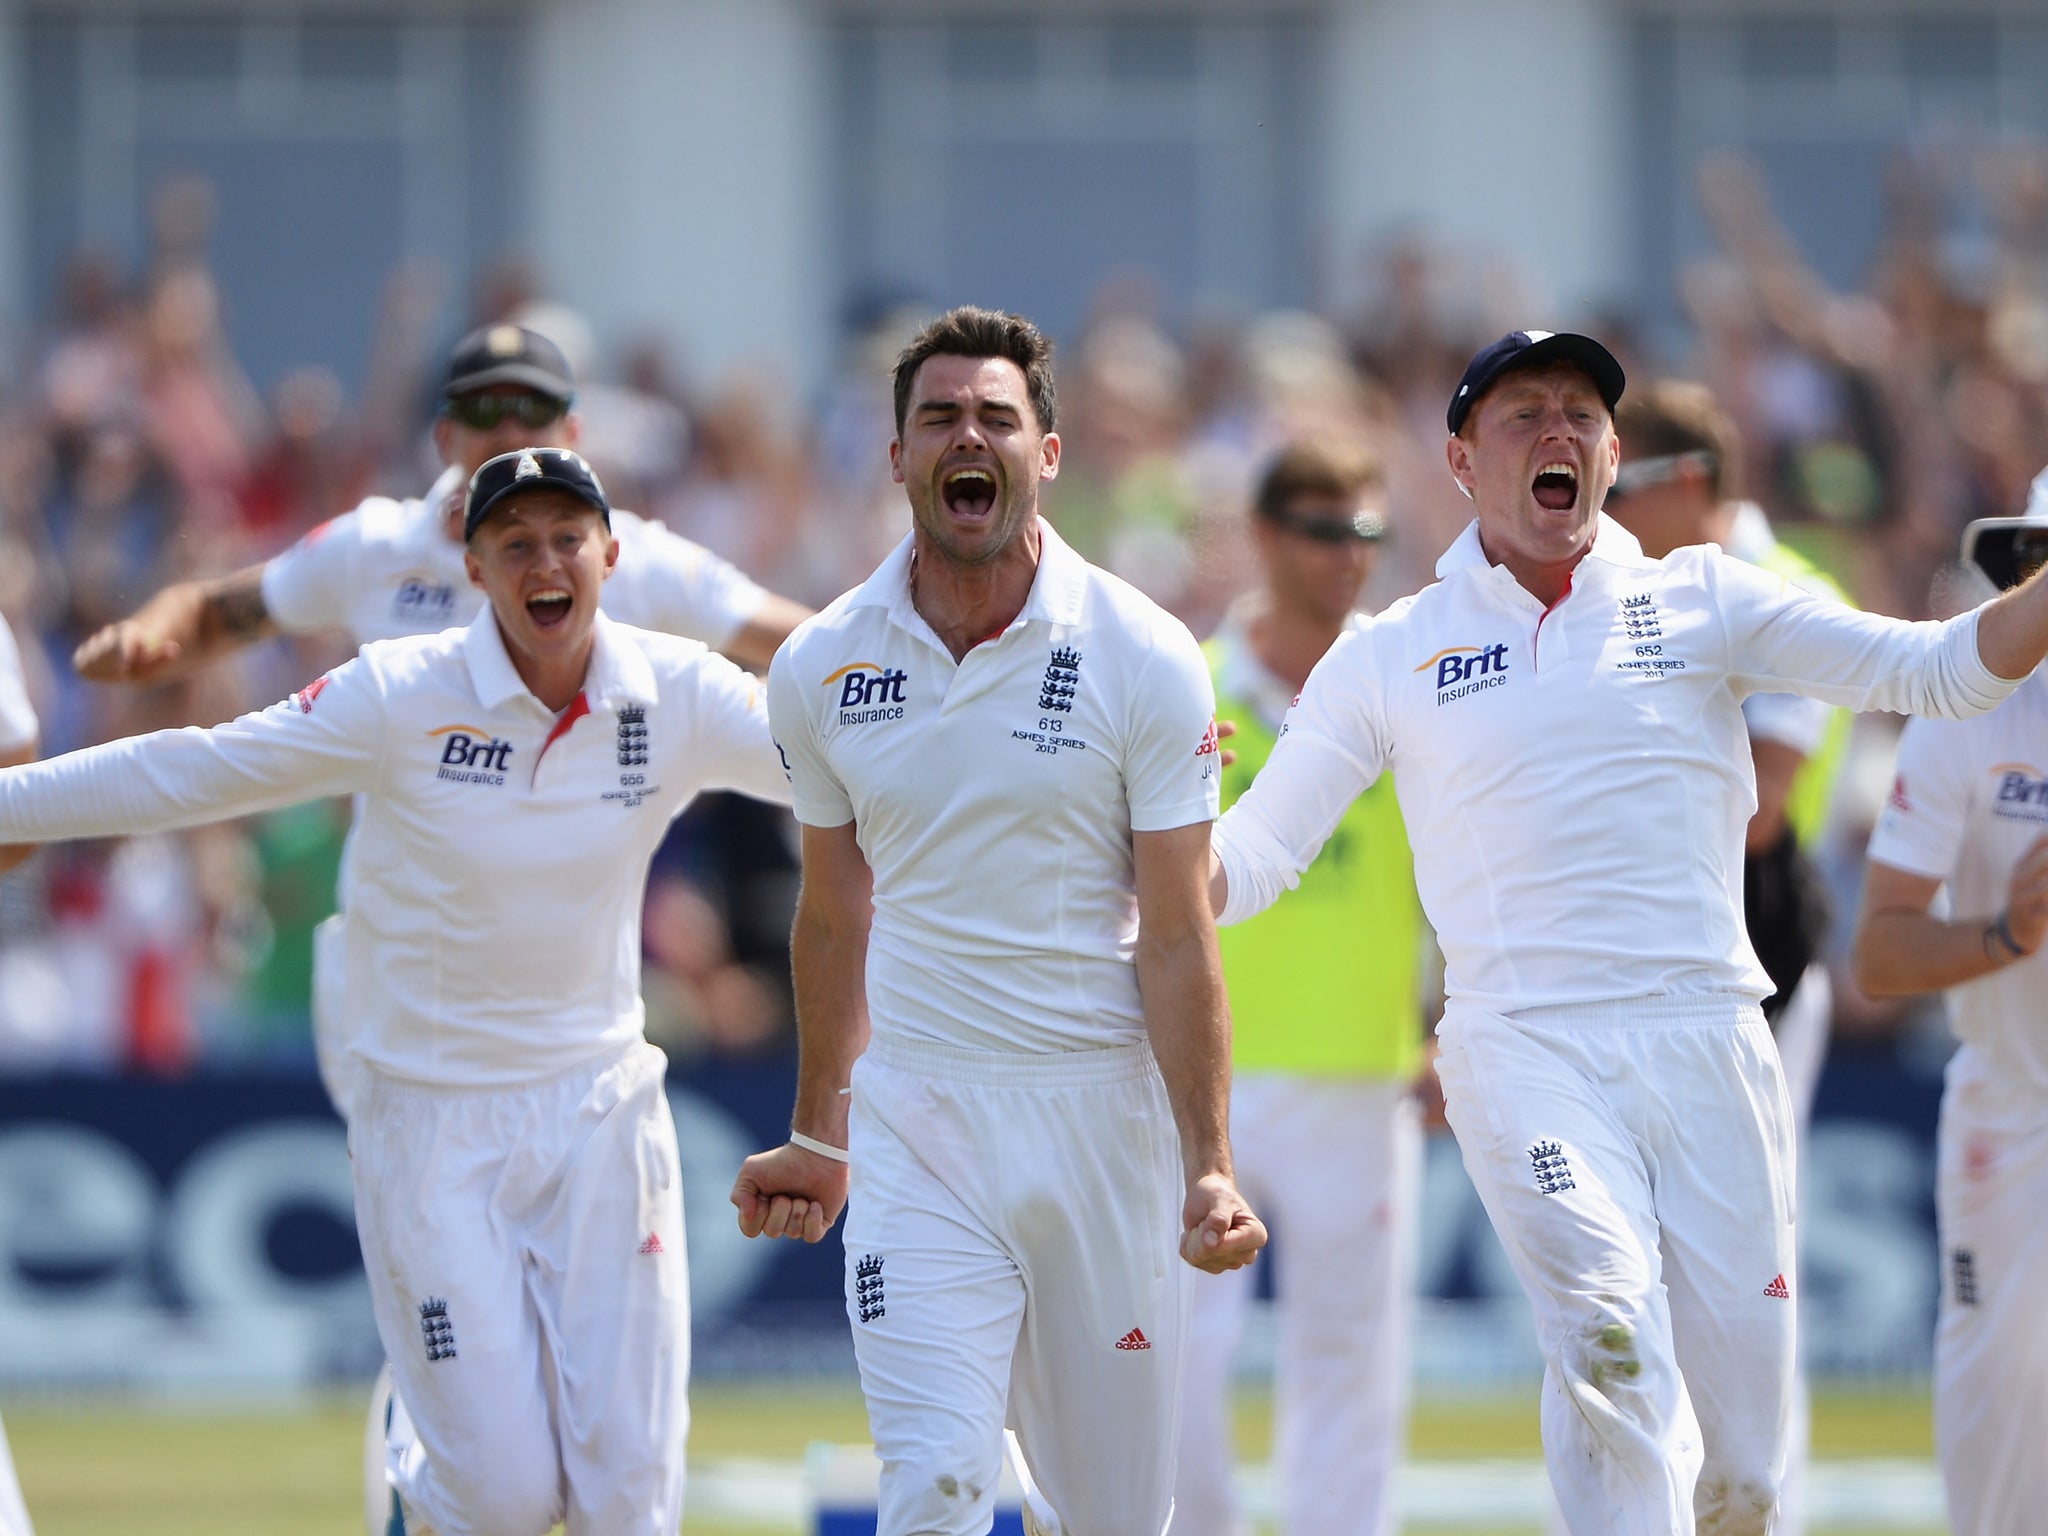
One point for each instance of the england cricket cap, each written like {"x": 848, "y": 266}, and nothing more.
{"x": 511, "y": 355}
{"x": 530, "y": 469}
{"x": 1531, "y": 349}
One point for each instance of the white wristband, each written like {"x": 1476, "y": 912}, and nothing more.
{"x": 823, "y": 1149}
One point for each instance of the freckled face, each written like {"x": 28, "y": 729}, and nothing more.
{"x": 1537, "y": 454}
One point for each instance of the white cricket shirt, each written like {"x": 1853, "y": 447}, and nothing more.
{"x": 1576, "y": 780}
{"x": 1970, "y": 798}
{"x": 500, "y": 851}
{"x": 388, "y": 568}
{"x": 995, "y": 799}
{"x": 18, "y": 724}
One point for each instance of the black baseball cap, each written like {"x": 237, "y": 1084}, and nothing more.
{"x": 1530, "y": 349}
{"x": 530, "y": 469}
{"x": 2007, "y": 549}
{"x": 509, "y": 354}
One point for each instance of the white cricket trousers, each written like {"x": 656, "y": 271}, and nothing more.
{"x": 1334, "y": 1165}
{"x": 1991, "y": 1340}
{"x": 525, "y": 1255}
{"x": 1012, "y": 1257}
{"x": 1636, "y": 1160}
{"x": 13, "y": 1513}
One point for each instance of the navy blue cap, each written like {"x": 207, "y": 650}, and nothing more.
{"x": 530, "y": 469}
{"x": 509, "y": 354}
{"x": 1529, "y": 349}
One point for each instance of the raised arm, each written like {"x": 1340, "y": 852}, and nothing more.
{"x": 755, "y": 642}
{"x": 792, "y": 1190}
{"x": 1180, "y": 979}
{"x": 326, "y": 739}
{"x": 186, "y": 625}
{"x": 2012, "y": 629}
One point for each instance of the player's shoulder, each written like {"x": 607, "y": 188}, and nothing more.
{"x": 1116, "y": 613}
{"x": 670, "y": 655}
{"x": 410, "y": 658}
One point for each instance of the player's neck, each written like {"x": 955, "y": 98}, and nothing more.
{"x": 967, "y": 604}
{"x": 553, "y": 677}
{"x": 1287, "y": 642}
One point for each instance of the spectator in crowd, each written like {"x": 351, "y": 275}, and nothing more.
{"x": 1326, "y": 1038}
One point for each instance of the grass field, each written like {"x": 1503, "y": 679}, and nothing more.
{"x": 115, "y": 1469}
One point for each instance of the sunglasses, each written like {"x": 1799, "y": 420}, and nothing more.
{"x": 1640, "y": 474}
{"x": 1360, "y": 528}
{"x": 482, "y": 412}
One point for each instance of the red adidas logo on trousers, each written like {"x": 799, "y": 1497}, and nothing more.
{"x": 653, "y": 1244}
{"x": 1779, "y": 1289}
{"x": 1135, "y": 1339}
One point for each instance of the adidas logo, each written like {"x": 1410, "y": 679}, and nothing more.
{"x": 653, "y": 1244}
{"x": 1135, "y": 1339}
{"x": 1779, "y": 1289}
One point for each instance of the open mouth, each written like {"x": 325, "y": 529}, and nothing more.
{"x": 549, "y": 609}
{"x": 969, "y": 492}
{"x": 1556, "y": 486}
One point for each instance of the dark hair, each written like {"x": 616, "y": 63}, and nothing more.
{"x": 1323, "y": 467}
{"x": 969, "y": 331}
{"x": 1674, "y": 416}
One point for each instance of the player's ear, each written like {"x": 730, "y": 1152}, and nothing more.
{"x": 896, "y": 459}
{"x": 611, "y": 556}
{"x": 1049, "y": 456}
{"x": 572, "y": 430}
{"x": 1458, "y": 453}
{"x": 471, "y": 564}
{"x": 444, "y": 435}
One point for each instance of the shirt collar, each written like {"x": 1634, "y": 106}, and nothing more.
{"x": 1058, "y": 587}
{"x": 619, "y": 672}
{"x": 1611, "y": 542}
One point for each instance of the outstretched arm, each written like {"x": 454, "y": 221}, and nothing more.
{"x": 792, "y": 1191}
{"x": 2012, "y": 629}
{"x": 1180, "y": 978}
{"x": 186, "y": 625}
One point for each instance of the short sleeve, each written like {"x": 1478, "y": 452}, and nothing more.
{"x": 1172, "y": 771}
{"x": 18, "y": 724}
{"x": 308, "y": 586}
{"x": 816, "y": 794}
{"x": 733, "y": 748}
{"x": 1921, "y": 829}
{"x": 667, "y": 583}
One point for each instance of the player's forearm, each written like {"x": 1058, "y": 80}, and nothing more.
{"x": 2012, "y": 630}
{"x": 1899, "y": 953}
{"x": 1187, "y": 1020}
{"x": 205, "y": 619}
{"x": 828, "y": 962}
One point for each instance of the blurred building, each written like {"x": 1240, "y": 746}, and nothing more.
{"x": 749, "y": 178}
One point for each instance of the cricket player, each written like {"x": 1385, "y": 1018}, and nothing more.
{"x": 517, "y": 1191}
{"x": 1005, "y": 765}
{"x": 1326, "y": 1038}
{"x": 20, "y": 732}
{"x": 391, "y": 568}
{"x": 1563, "y": 719}
{"x": 1969, "y": 812}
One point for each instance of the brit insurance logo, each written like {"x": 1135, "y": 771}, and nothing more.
{"x": 471, "y": 755}
{"x": 868, "y": 691}
{"x": 2022, "y": 793}
{"x": 1467, "y": 669}
{"x": 423, "y": 602}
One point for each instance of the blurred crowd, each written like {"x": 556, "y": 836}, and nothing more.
{"x": 134, "y": 452}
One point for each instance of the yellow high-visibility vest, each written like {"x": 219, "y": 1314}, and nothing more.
{"x": 1813, "y": 786}
{"x": 1325, "y": 982}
